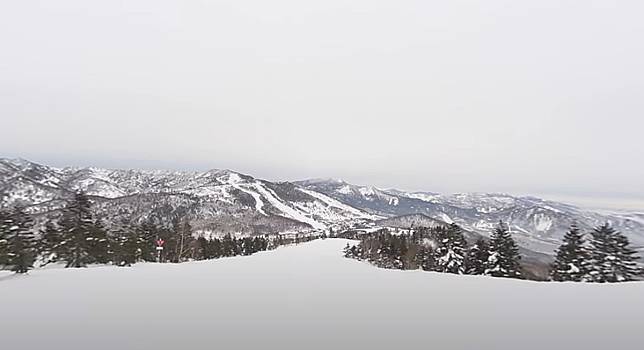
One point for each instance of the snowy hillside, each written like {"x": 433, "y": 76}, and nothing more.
{"x": 216, "y": 201}
{"x": 537, "y": 224}
{"x": 411, "y": 221}
{"x": 224, "y": 201}
{"x": 308, "y": 297}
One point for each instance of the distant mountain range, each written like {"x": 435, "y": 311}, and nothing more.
{"x": 224, "y": 201}
{"x": 538, "y": 224}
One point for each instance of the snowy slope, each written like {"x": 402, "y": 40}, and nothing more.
{"x": 216, "y": 201}
{"x": 308, "y": 297}
{"x": 286, "y": 209}
{"x": 234, "y": 181}
{"x": 330, "y": 202}
{"x": 538, "y": 224}
{"x": 223, "y": 201}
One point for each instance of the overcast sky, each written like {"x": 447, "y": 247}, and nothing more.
{"x": 449, "y": 96}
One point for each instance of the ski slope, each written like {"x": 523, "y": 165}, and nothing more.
{"x": 308, "y": 297}
{"x": 337, "y": 204}
{"x": 259, "y": 204}
{"x": 288, "y": 211}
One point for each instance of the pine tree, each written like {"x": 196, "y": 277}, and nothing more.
{"x": 571, "y": 258}
{"x": 425, "y": 258}
{"x": 451, "y": 251}
{"x": 624, "y": 267}
{"x": 228, "y": 248}
{"x": 98, "y": 244}
{"x": 50, "y": 243}
{"x": 203, "y": 248}
{"x": 504, "y": 254}
{"x": 261, "y": 244}
{"x": 124, "y": 247}
{"x": 214, "y": 249}
{"x": 4, "y": 231}
{"x": 356, "y": 252}
{"x": 21, "y": 245}
{"x": 247, "y": 246}
{"x": 477, "y": 258}
{"x": 77, "y": 231}
{"x": 612, "y": 260}
{"x": 347, "y": 251}
{"x": 146, "y": 235}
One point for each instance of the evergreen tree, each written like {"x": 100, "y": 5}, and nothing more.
{"x": 77, "y": 231}
{"x": 98, "y": 244}
{"x": 477, "y": 258}
{"x": 356, "y": 253}
{"x": 214, "y": 249}
{"x": 399, "y": 251}
{"x": 571, "y": 258}
{"x": 4, "y": 232}
{"x": 237, "y": 246}
{"x": 21, "y": 246}
{"x": 247, "y": 246}
{"x": 203, "y": 246}
{"x": 504, "y": 254}
{"x": 624, "y": 266}
{"x": 227, "y": 246}
{"x": 348, "y": 253}
{"x": 50, "y": 243}
{"x": 425, "y": 258}
{"x": 146, "y": 235}
{"x": 124, "y": 247}
{"x": 612, "y": 259}
{"x": 261, "y": 244}
{"x": 451, "y": 250}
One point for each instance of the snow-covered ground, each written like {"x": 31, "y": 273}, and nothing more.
{"x": 288, "y": 211}
{"x": 308, "y": 297}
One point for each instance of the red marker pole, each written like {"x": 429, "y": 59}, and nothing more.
{"x": 159, "y": 249}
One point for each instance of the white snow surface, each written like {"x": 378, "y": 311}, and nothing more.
{"x": 337, "y": 204}
{"x": 259, "y": 204}
{"x": 288, "y": 211}
{"x": 308, "y": 297}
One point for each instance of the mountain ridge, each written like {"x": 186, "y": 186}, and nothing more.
{"x": 225, "y": 201}
{"x": 538, "y": 223}
{"x": 215, "y": 200}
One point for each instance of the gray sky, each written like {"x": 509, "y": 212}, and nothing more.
{"x": 449, "y": 96}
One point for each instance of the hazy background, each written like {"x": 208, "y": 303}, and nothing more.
{"x": 529, "y": 97}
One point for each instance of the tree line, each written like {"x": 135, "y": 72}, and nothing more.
{"x": 440, "y": 249}
{"x": 79, "y": 239}
{"x": 604, "y": 257}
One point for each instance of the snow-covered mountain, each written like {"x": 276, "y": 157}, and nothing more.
{"x": 224, "y": 201}
{"x": 411, "y": 221}
{"x": 538, "y": 224}
{"x": 215, "y": 201}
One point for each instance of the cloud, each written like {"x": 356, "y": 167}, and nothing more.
{"x": 442, "y": 96}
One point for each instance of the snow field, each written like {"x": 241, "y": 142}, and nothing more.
{"x": 308, "y": 297}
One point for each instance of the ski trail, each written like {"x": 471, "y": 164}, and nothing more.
{"x": 336, "y": 204}
{"x": 259, "y": 204}
{"x": 290, "y": 212}
{"x": 234, "y": 180}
